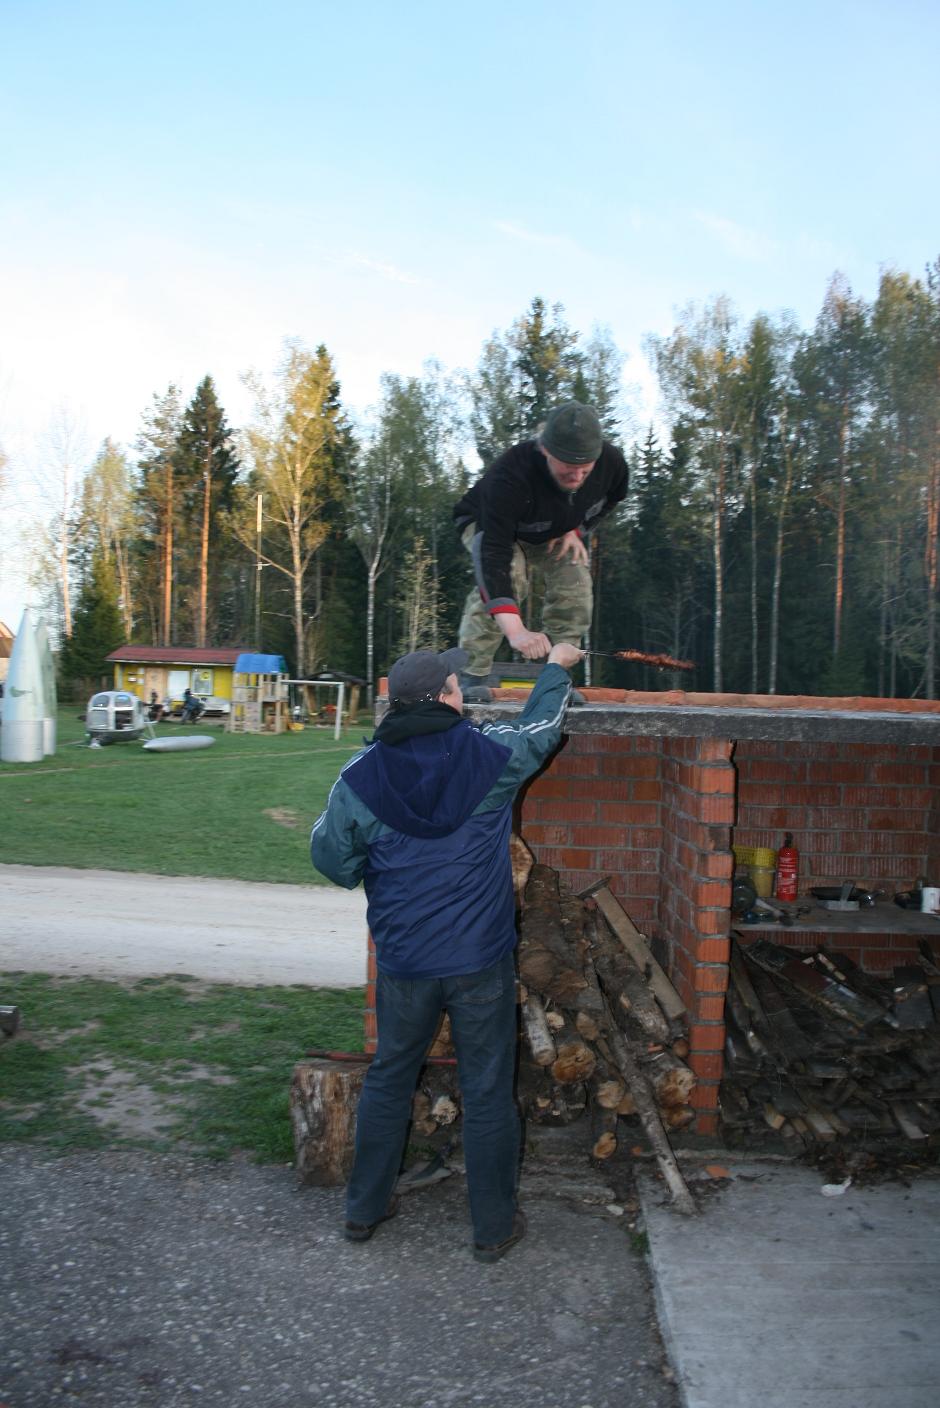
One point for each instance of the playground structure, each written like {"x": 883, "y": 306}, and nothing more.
{"x": 267, "y": 700}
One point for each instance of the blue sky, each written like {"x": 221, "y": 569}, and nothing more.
{"x": 184, "y": 185}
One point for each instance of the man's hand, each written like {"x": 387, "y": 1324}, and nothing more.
{"x": 531, "y": 645}
{"x": 565, "y": 655}
{"x": 569, "y": 542}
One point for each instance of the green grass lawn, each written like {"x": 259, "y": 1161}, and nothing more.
{"x": 241, "y": 809}
{"x": 162, "y": 1063}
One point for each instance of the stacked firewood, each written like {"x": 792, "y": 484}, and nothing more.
{"x": 583, "y": 997}
{"x": 817, "y": 1050}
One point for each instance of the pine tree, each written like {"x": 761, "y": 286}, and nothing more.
{"x": 207, "y": 468}
{"x": 97, "y": 628}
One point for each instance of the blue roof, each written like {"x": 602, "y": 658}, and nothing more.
{"x": 249, "y": 664}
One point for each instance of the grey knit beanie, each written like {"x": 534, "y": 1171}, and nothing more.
{"x": 573, "y": 434}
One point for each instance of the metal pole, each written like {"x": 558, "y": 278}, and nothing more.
{"x": 258, "y": 576}
{"x": 340, "y": 699}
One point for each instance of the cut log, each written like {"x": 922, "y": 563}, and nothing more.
{"x": 638, "y": 949}
{"x": 603, "y": 1132}
{"x": 652, "y": 1125}
{"x": 587, "y": 1027}
{"x": 443, "y": 1044}
{"x": 547, "y": 964}
{"x": 679, "y": 1117}
{"x": 324, "y": 1097}
{"x": 671, "y": 1079}
{"x": 545, "y": 1101}
{"x": 608, "y": 1093}
{"x": 575, "y": 1062}
{"x": 522, "y": 861}
{"x": 541, "y": 1042}
{"x": 625, "y": 985}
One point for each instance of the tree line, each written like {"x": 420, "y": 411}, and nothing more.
{"x": 781, "y": 529}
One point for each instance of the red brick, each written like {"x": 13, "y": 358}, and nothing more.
{"x": 628, "y": 813}
{"x": 712, "y": 921}
{"x": 898, "y": 772}
{"x": 704, "y": 1037}
{"x": 704, "y": 1096}
{"x": 770, "y": 771}
{"x": 714, "y": 780}
{"x": 551, "y": 785}
{"x": 715, "y": 809}
{"x": 711, "y": 977}
{"x": 709, "y": 1008}
{"x": 716, "y": 750}
{"x": 718, "y": 865}
{"x": 706, "y": 1124}
{"x": 713, "y": 893}
{"x": 646, "y": 791}
{"x": 568, "y": 811}
{"x": 707, "y": 1066}
{"x": 596, "y": 835}
{"x": 713, "y": 950}
{"x": 612, "y": 789}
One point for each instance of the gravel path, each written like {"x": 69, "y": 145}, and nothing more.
{"x": 116, "y": 924}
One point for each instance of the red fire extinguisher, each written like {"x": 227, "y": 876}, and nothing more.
{"x": 788, "y": 869}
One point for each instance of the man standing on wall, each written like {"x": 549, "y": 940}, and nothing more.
{"x": 534, "y": 506}
{"x": 423, "y": 816}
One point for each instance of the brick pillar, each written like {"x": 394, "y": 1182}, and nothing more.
{"x": 695, "y": 899}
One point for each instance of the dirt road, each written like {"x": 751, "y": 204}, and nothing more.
{"x": 112, "y": 924}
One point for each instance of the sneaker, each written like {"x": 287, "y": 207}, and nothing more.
{"x": 494, "y": 1253}
{"x": 362, "y": 1231}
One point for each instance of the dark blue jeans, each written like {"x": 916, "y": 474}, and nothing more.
{"x": 482, "y": 1008}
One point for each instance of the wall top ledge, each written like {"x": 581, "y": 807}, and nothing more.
{"x": 810, "y": 720}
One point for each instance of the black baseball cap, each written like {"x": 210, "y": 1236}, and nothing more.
{"x": 421, "y": 674}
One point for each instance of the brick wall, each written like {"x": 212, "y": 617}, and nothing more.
{"x": 858, "y": 811}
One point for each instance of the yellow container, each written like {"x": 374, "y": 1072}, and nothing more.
{"x": 765, "y": 857}
{"x": 763, "y": 877}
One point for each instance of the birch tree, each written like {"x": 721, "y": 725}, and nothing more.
{"x": 295, "y": 445}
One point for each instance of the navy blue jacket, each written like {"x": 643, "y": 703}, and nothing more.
{"x": 425, "y": 824}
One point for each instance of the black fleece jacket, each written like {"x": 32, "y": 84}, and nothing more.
{"x": 517, "y": 498}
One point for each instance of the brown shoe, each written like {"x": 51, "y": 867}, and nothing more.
{"x": 490, "y": 1254}
{"x": 362, "y": 1231}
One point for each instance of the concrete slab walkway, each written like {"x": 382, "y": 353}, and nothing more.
{"x": 779, "y": 1297}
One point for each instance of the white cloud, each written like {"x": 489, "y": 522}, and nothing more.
{"x": 737, "y": 239}
{"x": 516, "y": 231}
{"x": 385, "y": 271}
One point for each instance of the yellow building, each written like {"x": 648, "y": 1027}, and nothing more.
{"x": 166, "y": 670}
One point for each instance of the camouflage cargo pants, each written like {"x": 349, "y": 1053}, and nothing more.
{"x": 566, "y": 610}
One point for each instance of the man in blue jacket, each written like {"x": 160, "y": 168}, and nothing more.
{"x": 423, "y": 817}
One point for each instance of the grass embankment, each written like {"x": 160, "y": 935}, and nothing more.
{"x": 165, "y": 1063}
{"x": 241, "y": 809}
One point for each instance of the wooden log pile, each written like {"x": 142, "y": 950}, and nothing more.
{"x": 819, "y": 1051}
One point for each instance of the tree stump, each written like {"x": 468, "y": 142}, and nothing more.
{"x": 324, "y": 1097}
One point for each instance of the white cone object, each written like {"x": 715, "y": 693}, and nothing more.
{"x": 49, "y": 701}
{"x": 23, "y": 708}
